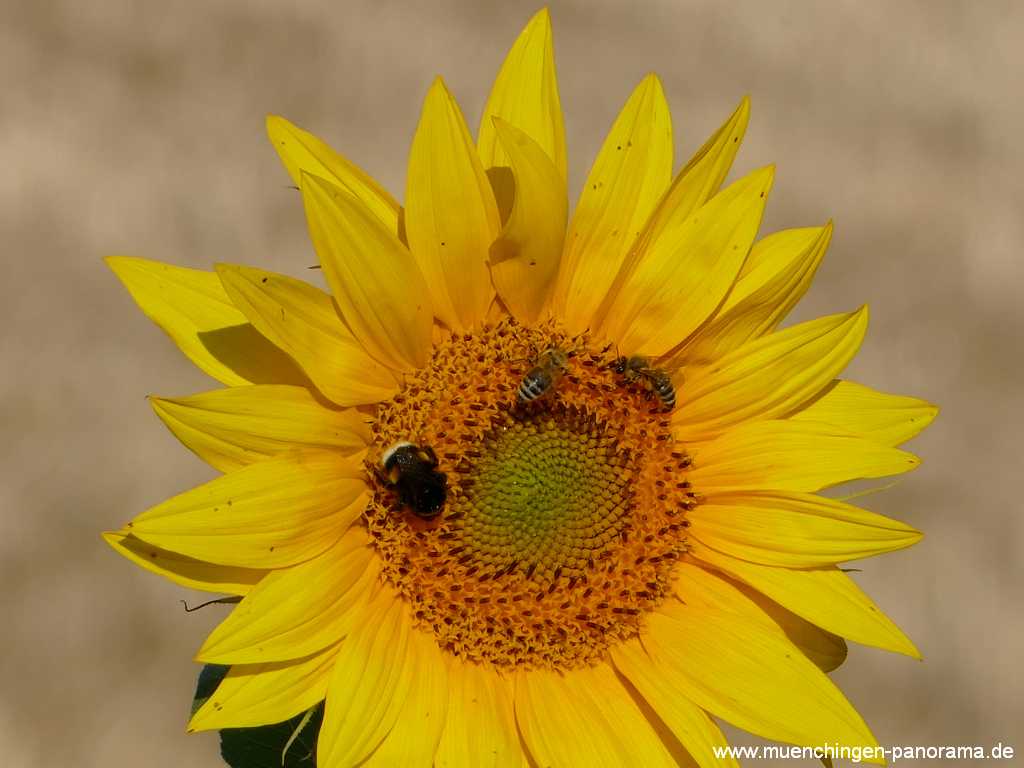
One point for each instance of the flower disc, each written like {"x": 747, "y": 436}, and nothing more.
{"x": 564, "y": 516}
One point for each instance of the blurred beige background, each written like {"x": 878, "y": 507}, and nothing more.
{"x": 137, "y": 127}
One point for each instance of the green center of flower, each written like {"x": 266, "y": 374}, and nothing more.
{"x": 549, "y": 493}
{"x": 564, "y": 515}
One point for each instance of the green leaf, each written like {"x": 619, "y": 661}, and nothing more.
{"x": 291, "y": 744}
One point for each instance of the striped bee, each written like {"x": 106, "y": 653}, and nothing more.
{"x": 549, "y": 367}
{"x": 638, "y": 368}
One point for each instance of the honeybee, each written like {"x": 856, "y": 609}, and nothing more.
{"x": 549, "y": 367}
{"x": 413, "y": 472}
{"x": 638, "y": 368}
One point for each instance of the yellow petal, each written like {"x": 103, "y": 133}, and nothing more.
{"x": 768, "y": 377}
{"x": 503, "y": 185}
{"x": 186, "y": 571}
{"x": 412, "y": 741}
{"x": 451, "y": 217}
{"x": 681, "y": 277}
{"x": 525, "y": 95}
{"x": 230, "y": 428}
{"x": 887, "y": 419}
{"x": 480, "y": 729}
{"x": 262, "y": 694}
{"x": 279, "y": 512}
{"x": 775, "y": 255}
{"x": 584, "y": 717}
{"x": 371, "y": 680}
{"x": 796, "y": 530}
{"x": 694, "y": 185}
{"x": 825, "y": 649}
{"x": 792, "y": 456}
{"x": 701, "y": 177}
{"x": 745, "y": 673}
{"x": 629, "y": 176}
{"x": 380, "y": 290}
{"x": 697, "y": 732}
{"x": 299, "y": 610}
{"x": 191, "y": 307}
{"x": 300, "y": 319}
{"x": 524, "y": 259}
{"x": 826, "y": 597}
{"x": 708, "y": 588}
{"x": 760, "y": 300}
{"x": 302, "y": 152}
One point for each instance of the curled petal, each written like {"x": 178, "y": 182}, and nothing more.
{"x": 525, "y": 95}
{"x": 524, "y": 259}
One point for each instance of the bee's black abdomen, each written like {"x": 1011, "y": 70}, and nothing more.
{"x": 413, "y": 472}
{"x": 425, "y": 498}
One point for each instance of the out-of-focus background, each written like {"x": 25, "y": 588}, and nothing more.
{"x": 137, "y": 127}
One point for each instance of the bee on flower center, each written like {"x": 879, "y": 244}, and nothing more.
{"x": 548, "y": 368}
{"x": 412, "y": 471}
{"x": 639, "y": 369}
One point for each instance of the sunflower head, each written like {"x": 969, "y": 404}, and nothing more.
{"x": 523, "y": 485}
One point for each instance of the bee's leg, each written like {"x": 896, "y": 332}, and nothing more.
{"x": 431, "y": 456}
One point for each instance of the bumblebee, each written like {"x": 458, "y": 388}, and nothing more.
{"x": 638, "y": 368}
{"x": 541, "y": 379}
{"x": 412, "y": 471}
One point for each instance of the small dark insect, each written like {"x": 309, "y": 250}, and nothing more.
{"x": 549, "y": 367}
{"x": 413, "y": 472}
{"x": 638, "y": 368}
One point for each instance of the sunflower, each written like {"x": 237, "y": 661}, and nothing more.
{"x": 628, "y": 451}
